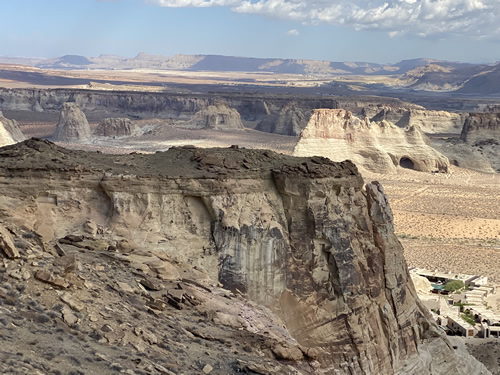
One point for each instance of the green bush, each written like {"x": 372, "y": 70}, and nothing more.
{"x": 469, "y": 318}
{"x": 454, "y": 285}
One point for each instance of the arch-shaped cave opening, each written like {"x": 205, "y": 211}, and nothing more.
{"x": 407, "y": 163}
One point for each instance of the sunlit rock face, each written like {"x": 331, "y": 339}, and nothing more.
{"x": 427, "y": 120}
{"x": 302, "y": 236}
{"x": 9, "y": 131}
{"x": 379, "y": 147}
{"x": 72, "y": 125}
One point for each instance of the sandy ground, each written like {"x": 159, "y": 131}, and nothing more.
{"x": 447, "y": 222}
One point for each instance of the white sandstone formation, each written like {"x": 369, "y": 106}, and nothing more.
{"x": 429, "y": 121}
{"x": 9, "y": 131}
{"x": 378, "y": 147}
{"x": 72, "y": 125}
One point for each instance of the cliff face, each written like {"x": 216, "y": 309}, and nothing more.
{"x": 480, "y": 149}
{"x": 253, "y": 109}
{"x": 116, "y": 127}
{"x": 301, "y": 236}
{"x": 9, "y": 131}
{"x": 378, "y": 147}
{"x": 481, "y": 127}
{"x": 429, "y": 121}
{"x": 218, "y": 116}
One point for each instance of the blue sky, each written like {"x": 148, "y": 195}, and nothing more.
{"x": 337, "y": 30}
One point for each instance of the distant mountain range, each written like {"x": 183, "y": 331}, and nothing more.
{"x": 416, "y": 74}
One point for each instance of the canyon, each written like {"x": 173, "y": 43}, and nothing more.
{"x": 145, "y": 254}
{"x": 304, "y": 237}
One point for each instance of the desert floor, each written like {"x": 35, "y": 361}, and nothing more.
{"x": 446, "y": 222}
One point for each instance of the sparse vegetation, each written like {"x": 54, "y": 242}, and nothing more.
{"x": 468, "y": 317}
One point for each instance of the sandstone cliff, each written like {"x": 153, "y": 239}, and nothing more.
{"x": 9, "y": 131}
{"x": 481, "y": 133}
{"x": 290, "y": 120}
{"x": 481, "y": 127}
{"x": 428, "y": 121}
{"x": 72, "y": 125}
{"x": 378, "y": 147}
{"x": 252, "y": 108}
{"x": 301, "y": 236}
{"x": 116, "y": 127}
{"x": 218, "y": 116}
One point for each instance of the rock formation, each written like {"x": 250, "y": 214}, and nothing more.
{"x": 9, "y": 131}
{"x": 378, "y": 147}
{"x": 290, "y": 120}
{"x": 481, "y": 128}
{"x": 72, "y": 125}
{"x": 481, "y": 132}
{"x": 428, "y": 121}
{"x": 218, "y": 116}
{"x": 116, "y": 127}
{"x": 253, "y": 108}
{"x": 301, "y": 236}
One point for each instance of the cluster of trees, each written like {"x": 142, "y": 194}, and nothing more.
{"x": 454, "y": 285}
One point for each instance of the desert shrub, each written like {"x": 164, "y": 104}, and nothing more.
{"x": 454, "y": 285}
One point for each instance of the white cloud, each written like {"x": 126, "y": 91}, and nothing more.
{"x": 478, "y": 18}
{"x": 293, "y": 32}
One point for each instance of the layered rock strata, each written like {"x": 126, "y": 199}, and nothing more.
{"x": 253, "y": 109}
{"x": 116, "y": 127}
{"x": 301, "y": 236}
{"x": 72, "y": 126}
{"x": 481, "y": 135}
{"x": 428, "y": 121}
{"x": 481, "y": 127}
{"x": 378, "y": 147}
{"x": 218, "y": 116}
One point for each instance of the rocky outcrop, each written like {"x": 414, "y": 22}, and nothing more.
{"x": 481, "y": 127}
{"x": 378, "y": 147}
{"x": 9, "y": 131}
{"x": 290, "y": 120}
{"x": 482, "y": 159}
{"x": 218, "y": 116}
{"x": 480, "y": 146}
{"x": 72, "y": 125}
{"x": 116, "y": 127}
{"x": 428, "y": 121}
{"x": 301, "y": 236}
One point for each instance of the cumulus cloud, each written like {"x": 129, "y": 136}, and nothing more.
{"x": 292, "y": 32}
{"x": 424, "y": 18}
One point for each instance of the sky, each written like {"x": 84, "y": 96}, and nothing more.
{"x": 381, "y": 31}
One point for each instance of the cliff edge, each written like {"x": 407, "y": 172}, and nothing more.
{"x": 375, "y": 146}
{"x": 303, "y": 237}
